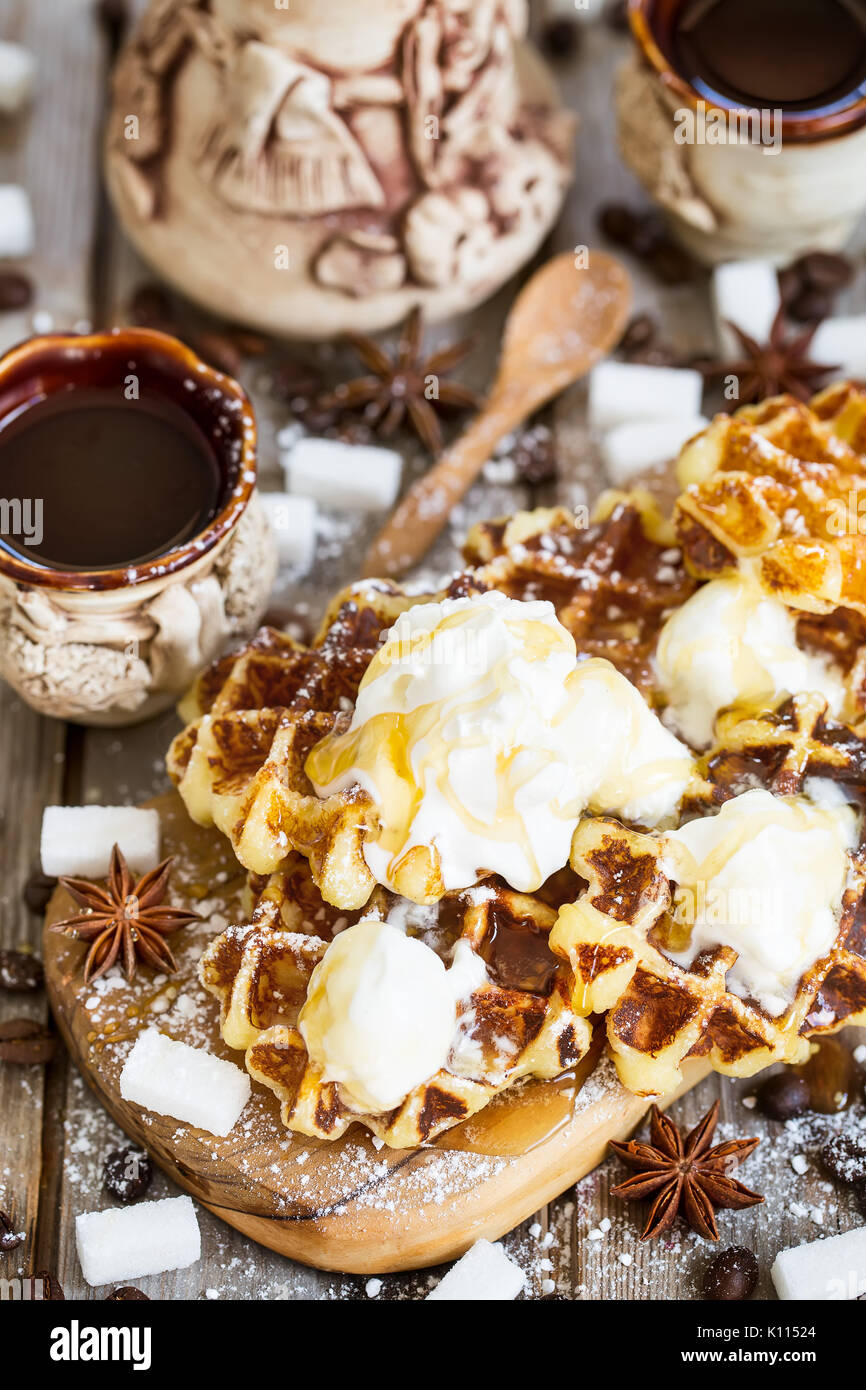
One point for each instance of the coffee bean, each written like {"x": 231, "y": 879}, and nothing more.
{"x": 825, "y": 270}
{"x": 792, "y": 283}
{"x": 126, "y": 1295}
{"x": 9, "y": 1238}
{"x": 127, "y": 1174}
{"x": 151, "y": 307}
{"x": 16, "y": 291}
{"x": 292, "y": 381}
{"x": 560, "y": 39}
{"x": 52, "y": 1289}
{"x": 784, "y": 1096}
{"x": 20, "y": 972}
{"x": 534, "y": 455}
{"x": 642, "y": 331}
{"x": 25, "y": 1041}
{"x": 619, "y": 223}
{"x": 648, "y": 238}
{"x": 731, "y": 1276}
{"x": 811, "y": 305}
{"x": 844, "y": 1157}
{"x": 671, "y": 264}
{"x": 38, "y": 891}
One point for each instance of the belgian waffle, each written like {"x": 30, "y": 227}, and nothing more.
{"x": 780, "y": 484}
{"x": 240, "y": 763}
{"x": 520, "y": 1023}
{"x": 769, "y": 485}
{"x": 614, "y": 935}
{"x": 763, "y": 486}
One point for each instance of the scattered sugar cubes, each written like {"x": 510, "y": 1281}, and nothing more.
{"x": 629, "y": 449}
{"x": 17, "y": 70}
{"x": 184, "y": 1082}
{"x": 293, "y": 522}
{"x": 124, "y": 1243}
{"x": 620, "y": 392}
{"x": 484, "y": 1273}
{"x": 343, "y": 475}
{"x": 745, "y": 293}
{"x": 17, "y": 236}
{"x": 823, "y": 1270}
{"x": 78, "y": 840}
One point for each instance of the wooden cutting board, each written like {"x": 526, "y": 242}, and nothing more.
{"x": 347, "y": 1205}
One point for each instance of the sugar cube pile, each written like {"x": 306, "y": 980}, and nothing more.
{"x": 184, "y": 1082}
{"x": 484, "y": 1273}
{"x": 17, "y": 235}
{"x": 293, "y": 522}
{"x": 823, "y": 1270}
{"x": 78, "y": 840}
{"x": 341, "y": 475}
{"x": 124, "y": 1243}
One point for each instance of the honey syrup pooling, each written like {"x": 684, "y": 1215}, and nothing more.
{"x": 481, "y": 740}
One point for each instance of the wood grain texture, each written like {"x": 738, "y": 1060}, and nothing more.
{"x": 83, "y": 269}
{"x": 50, "y": 150}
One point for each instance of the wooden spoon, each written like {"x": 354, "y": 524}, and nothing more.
{"x": 565, "y": 319}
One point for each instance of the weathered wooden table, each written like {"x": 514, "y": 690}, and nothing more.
{"x": 53, "y": 1135}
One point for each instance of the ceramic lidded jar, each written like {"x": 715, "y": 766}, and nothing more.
{"x": 115, "y": 644}
{"x": 313, "y": 168}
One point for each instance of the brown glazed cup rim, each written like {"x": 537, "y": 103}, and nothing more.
{"x": 175, "y": 354}
{"x": 795, "y": 126}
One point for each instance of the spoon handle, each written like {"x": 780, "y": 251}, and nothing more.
{"x": 425, "y": 509}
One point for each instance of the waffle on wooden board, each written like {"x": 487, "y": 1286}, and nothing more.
{"x": 771, "y": 493}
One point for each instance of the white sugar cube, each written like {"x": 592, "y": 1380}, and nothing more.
{"x": 484, "y": 1273}
{"x": 745, "y": 293}
{"x": 184, "y": 1082}
{"x": 124, "y": 1243}
{"x": 293, "y": 522}
{"x": 841, "y": 343}
{"x": 16, "y": 221}
{"x": 823, "y": 1270}
{"x": 17, "y": 69}
{"x": 78, "y": 840}
{"x": 620, "y": 392}
{"x": 343, "y": 475}
{"x": 630, "y": 448}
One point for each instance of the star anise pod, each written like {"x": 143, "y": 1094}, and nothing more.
{"x": 125, "y": 919}
{"x": 685, "y": 1177}
{"x": 782, "y": 364}
{"x": 407, "y": 384}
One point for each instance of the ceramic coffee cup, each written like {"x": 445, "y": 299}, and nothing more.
{"x": 114, "y": 646}
{"x": 736, "y": 182}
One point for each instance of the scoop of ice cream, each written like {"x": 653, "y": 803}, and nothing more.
{"x": 380, "y": 1014}
{"x": 764, "y": 876}
{"x": 481, "y": 740}
{"x": 731, "y": 643}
